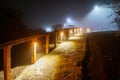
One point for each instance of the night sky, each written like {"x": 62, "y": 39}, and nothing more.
{"x": 48, "y": 12}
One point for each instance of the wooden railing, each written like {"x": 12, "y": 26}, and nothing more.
{"x": 57, "y": 36}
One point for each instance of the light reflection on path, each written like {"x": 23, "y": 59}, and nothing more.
{"x": 43, "y": 69}
{"x": 46, "y": 67}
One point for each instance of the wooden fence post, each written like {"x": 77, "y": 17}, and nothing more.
{"x": 67, "y": 33}
{"x": 55, "y": 35}
{"x": 47, "y": 43}
{"x": 7, "y": 62}
{"x": 76, "y": 30}
{"x": 73, "y": 31}
{"x": 34, "y": 42}
{"x": 61, "y": 36}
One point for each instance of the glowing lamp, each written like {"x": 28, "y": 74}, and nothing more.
{"x": 61, "y": 35}
{"x": 48, "y": 29}
{"x": 34, "y": 52}
{"x": 97, "y": 8}
{"x": 70, "y": 31}
{"x": 88, "y": 30}
{"x": 68, "y": 20}
{"x": 80, "y": 29}
{"x": 35, "y": 46}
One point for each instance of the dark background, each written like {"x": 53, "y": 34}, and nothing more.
{"x": 39, "y": 13}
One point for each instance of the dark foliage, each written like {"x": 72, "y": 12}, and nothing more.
{"x": 11, "y": 24}
{"x": 116, "y": 8}
{"x": 115, "y": 5}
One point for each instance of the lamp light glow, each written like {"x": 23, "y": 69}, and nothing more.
{"x": 35, "y": 52}
{"x": 88, "y": 30}
{"x": 97, "y": 8}
{"x": 80, "y": 29}
{"x": 48, "y": 29}
{"x": 61, "y": 35}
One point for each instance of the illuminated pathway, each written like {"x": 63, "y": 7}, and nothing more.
{"x": 63, "y": 63}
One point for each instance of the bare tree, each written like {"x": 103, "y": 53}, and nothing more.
{"x": 115, "y": 5}
{"x": 116, "y": 8}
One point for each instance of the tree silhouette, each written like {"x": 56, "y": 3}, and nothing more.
{"x": 116, "y": 8}
{"x": 115, "y": 5}
{"x": 11, "y": 24}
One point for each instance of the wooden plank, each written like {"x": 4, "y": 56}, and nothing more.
{"x": 67, "y": 33}
{"x": 61, "y": 36}
{"x": 47, "y": 43}
{"x": 25, "y": 39}
{"x": 55, "y": 35}
{"x": 21, "y": 40}
{"x": 7, "y": 62}
{"x": 73, "y": 32}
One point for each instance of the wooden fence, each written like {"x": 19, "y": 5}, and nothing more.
{"x": 58, "y": 36}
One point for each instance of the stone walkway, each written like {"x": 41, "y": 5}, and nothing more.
{"x": 63, "y": 63}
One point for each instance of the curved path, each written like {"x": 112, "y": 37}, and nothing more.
{"x": 63, "y": 63}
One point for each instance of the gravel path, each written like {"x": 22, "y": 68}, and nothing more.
{"x": 63, "y": 63}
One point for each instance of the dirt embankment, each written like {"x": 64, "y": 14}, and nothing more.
{"x": 102, "y": 60}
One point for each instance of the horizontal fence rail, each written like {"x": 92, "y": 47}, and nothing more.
{"x": 21, "y": 40}
{"x": 58, "y": 36}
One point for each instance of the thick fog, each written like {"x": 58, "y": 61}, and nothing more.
{"x": 100, "y": 18}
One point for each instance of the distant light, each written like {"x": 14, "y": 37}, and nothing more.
{"x": 48, "y": 29}
{"x": 61, "y": 35}
{"x": 97, "y": 8}
{"x": 35, "y": 47}
{"x": 75, "y": 30}
{"x": 88, "y": 30}
{"x": 80, "y": 29}
{"x": 71, "y": 31}
{"x": 69, "y": 20}
{"x": 65, "y": 25}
